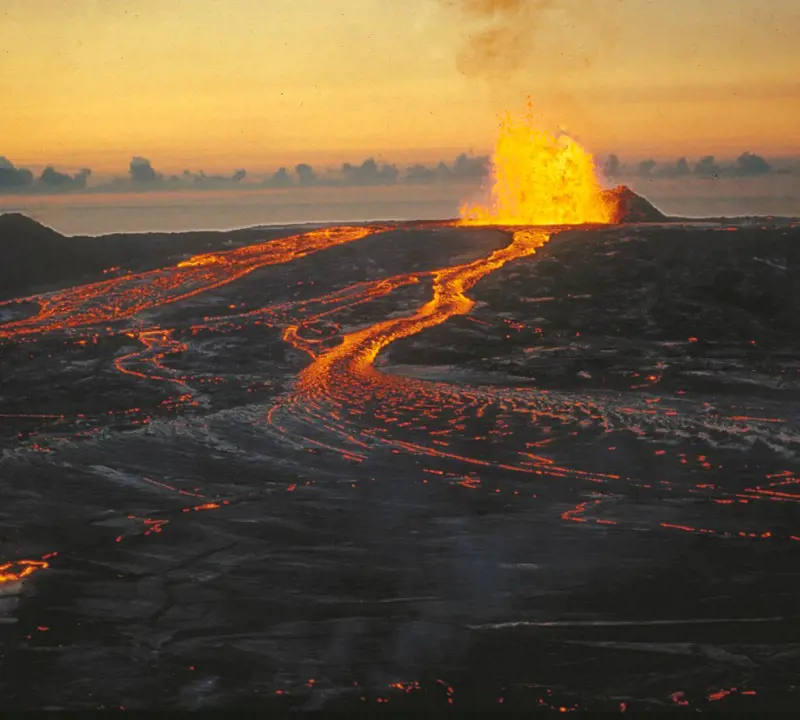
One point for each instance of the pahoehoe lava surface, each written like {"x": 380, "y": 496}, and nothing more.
{"x": 410, "y": 466}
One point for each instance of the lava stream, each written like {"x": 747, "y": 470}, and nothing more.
{"x": 126, "y": 296}
{"x": 332, "y": 394}
{"x": 352, "y": 360}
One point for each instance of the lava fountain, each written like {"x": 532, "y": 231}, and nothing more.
{"x": 540, "y": 179}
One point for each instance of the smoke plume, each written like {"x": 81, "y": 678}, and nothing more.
{"x": 503, "y": 37}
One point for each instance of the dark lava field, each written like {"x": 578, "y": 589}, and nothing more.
{"x": 401, "y": 466}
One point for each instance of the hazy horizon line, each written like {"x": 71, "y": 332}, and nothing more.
{"x": 142, "y": 175}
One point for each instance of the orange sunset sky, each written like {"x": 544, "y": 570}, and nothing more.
{"x": 218, "y": 84}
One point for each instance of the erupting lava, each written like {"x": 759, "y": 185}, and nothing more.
{"x": 540, "y": 179}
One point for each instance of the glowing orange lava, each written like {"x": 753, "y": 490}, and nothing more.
{"x": 358, "y": 349}
{"x": 342, "y": 403}
{"x": 540, "y": 179}
{"x": 13, "y": 571}
{"x": 129, "y": 295}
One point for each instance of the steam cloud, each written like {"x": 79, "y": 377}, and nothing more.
{"x": 369, "y": 173}
{"x": 50, "y": 177}
{"x": 13, "y": 177}
{"x": 646, "y": 167}
{"x": 751, "y": 165}
{"x": 707, "y": 167}
{"x": 200, "y": 179}
{"x": 279, "y": 179}
{"x": 747, "y": 165}
{"x": 141, "y": 171}
{"x": 305, "y": 174}
{"x": 612, "y": 166}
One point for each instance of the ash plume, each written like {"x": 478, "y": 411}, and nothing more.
{"x": 502, "y": 37}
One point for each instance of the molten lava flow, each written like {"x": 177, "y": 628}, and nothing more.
{"x": 344, "y": 376}
{"x": 13, "y": 571}
{"x": 126, "y": 296}
{"x": 353, "y": 358}
{"x": 540, "y": 179}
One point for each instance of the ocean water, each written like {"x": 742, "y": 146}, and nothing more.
{"x": 98, "y": 213}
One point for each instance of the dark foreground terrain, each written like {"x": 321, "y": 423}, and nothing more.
{"x": 402, "y": 467}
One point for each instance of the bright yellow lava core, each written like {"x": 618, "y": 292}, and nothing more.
{"x": 539, "y": 179}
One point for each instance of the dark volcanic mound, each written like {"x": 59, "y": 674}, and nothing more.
{"x": 632, "y": 208}
{"x": 35, "y": 258}
{"x": 32, "y": 254}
